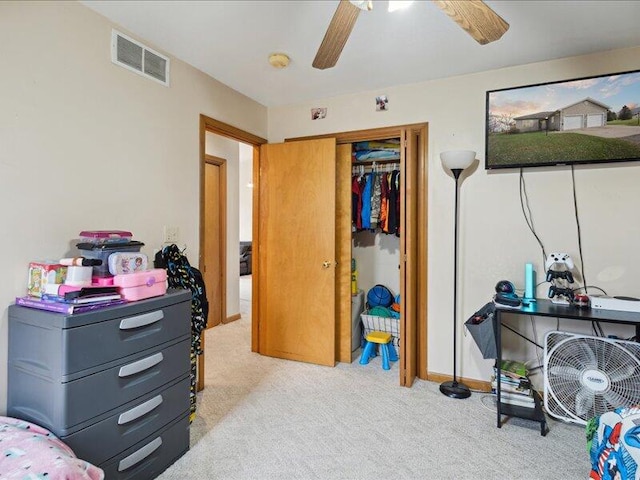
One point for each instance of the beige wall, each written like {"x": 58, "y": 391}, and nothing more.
{"x": 377, "y": 259}
{"x": 495, "y": 242}
{"x": 85, "y": 144}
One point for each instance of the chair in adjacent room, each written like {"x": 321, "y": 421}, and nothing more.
{"x": 245, "y": 258}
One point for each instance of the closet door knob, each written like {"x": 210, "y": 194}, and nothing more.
{"x": 326, "y": 264}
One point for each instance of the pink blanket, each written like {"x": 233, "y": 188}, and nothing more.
{"x": 30, "y": 452}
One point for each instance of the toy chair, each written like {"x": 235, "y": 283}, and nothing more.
{"x": 388, "y": 351}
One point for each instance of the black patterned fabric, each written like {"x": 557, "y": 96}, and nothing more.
{"x": 180, "y": 274}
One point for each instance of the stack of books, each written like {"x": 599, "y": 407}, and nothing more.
{"x": 77, "y": 300}
{"x": 515, "y": 387}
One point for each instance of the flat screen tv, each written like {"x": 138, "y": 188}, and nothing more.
{"x": 584, "y": 120}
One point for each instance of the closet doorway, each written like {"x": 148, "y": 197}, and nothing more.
{"x": 413, "y": 243}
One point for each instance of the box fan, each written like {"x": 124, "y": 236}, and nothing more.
{"x": 586, "y": 376}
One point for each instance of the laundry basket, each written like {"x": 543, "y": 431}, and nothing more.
{"x": 372, "y": 323}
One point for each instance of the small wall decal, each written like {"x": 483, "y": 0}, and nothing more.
{"x": 382, "y": 103}
{"x": 318, "y": 113}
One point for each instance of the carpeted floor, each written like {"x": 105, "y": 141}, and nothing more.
{"x": 264, "y": 418}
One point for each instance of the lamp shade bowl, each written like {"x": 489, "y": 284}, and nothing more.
{"x": 457, "y": 159}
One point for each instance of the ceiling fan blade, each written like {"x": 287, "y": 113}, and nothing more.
{"x": 476, "y": 18}
{"x": 336, "y": 36}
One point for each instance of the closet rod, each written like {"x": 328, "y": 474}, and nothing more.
{"x": 374, "y": 167}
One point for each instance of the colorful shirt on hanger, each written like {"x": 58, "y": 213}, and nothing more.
{"x": 366, "y": 201}
{"x": 375, "y": 201}
{"x": 355, "y": 201}
{"x": 384, "y": 201}
{"x": 393, "y": 224}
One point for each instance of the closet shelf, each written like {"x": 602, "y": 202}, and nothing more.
{"x": 376, "y": 162}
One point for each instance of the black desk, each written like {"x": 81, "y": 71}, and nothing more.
{"x": 545, "y": 308}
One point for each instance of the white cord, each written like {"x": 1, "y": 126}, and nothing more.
{"x": 493, "y": 397}
{"x": 535, "y": 339}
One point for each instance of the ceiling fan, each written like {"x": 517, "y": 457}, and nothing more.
{"x": 474, "y": 16}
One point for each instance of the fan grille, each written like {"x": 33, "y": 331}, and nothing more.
{"x": 586, "y": 376}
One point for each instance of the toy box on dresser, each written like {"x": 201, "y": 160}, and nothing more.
{"x": 112, "y": 383}
{"x": 141, "y": 285}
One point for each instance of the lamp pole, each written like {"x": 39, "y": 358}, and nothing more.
{"x": 456, "y": 174}
{"x": 455, "y": 389}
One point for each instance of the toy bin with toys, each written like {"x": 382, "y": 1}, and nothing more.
{"x": 375, "y": 323}
{"x": 382, "y": 313}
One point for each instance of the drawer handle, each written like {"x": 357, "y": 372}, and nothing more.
{"x": 141, "y": 320}
{"x": 141, "y": 365}
{"x": 139, "y": 455}
{"x": 140, "y": 410}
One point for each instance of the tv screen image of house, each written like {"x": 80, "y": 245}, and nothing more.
{"x": 585, "y": 120}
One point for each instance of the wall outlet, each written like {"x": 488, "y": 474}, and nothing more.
{"x": 171, "y": 234}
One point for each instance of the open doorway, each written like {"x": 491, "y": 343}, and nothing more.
{"x": 226, "y": 223}
{"x": 245, "y": 226}
{"x": 227, "y": 218}
{"x": 208, "y": 127}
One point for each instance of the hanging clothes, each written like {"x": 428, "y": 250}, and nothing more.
{"x": 355, "y": 200}
{"x": 366, "y": 201}
{"x": 357, "y": 189}
{"x": 393, "y": 224}
{"x": 375, "y": 201}
{"x": 361, "y": 186}
{"x": 384, "y": 201}
{"x": 398, "y": 203}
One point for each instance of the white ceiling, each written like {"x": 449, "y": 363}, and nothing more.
{"x": 231, "y": 41}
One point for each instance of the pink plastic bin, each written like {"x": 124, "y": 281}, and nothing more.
{"x": 105, "y": 236}
{"x": 141, "y": 285}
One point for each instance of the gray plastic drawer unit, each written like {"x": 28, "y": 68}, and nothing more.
{"x": 148, "y": 458}
{"x": 110, "y": 383}
{"x": 61, "y": 406}
{"x": 86, "y": 341}
{"x": 131, "y": 423}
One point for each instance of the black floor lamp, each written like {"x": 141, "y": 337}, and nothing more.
{"x": 456, "y": 161}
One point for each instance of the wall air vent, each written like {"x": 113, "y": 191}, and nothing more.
{"x": 134, "y": 56}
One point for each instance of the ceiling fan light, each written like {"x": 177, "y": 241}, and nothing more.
{"x": 398, "y": 4}
{"x": 362, "y": 4}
